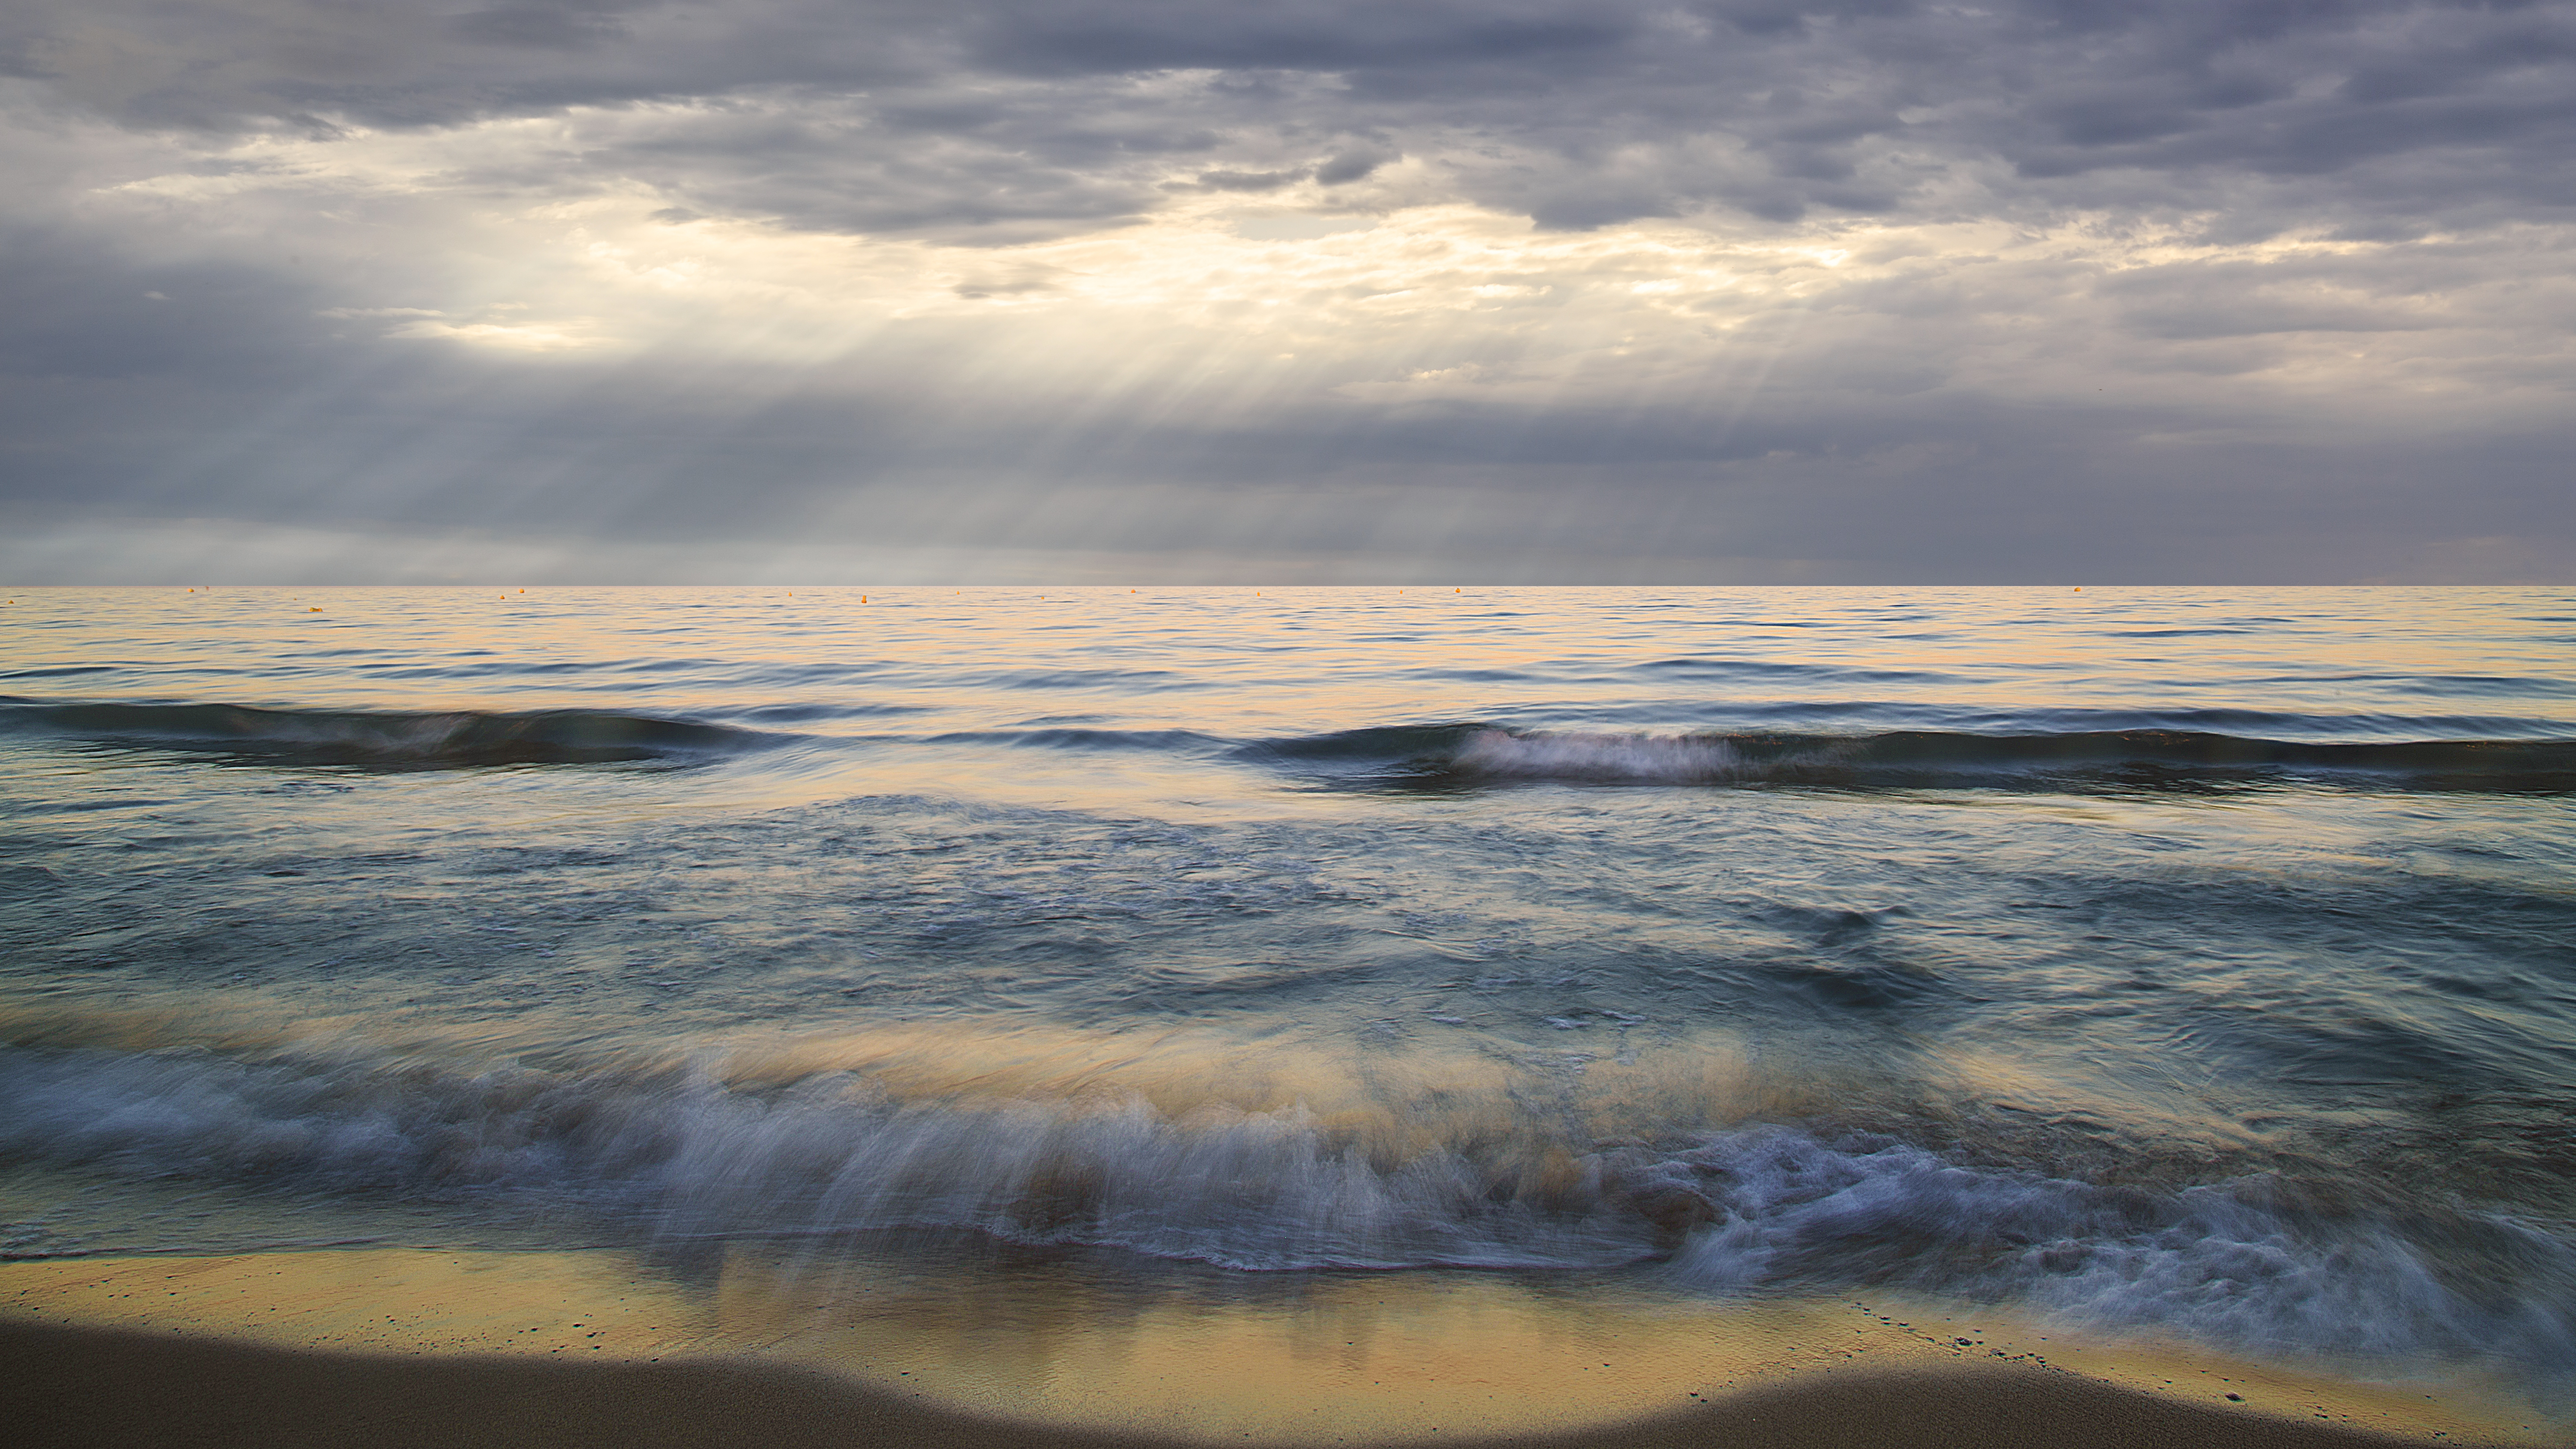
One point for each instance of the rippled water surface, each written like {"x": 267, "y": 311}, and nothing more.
{"x": 2193, "y": 961}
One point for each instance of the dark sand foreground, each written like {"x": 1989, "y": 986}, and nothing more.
{"x": 84, "y": 1386}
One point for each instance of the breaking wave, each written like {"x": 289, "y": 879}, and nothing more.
{"x": 1470, "y": 754}
{"x": 677, "y": 1154}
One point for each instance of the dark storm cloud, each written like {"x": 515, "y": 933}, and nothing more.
{"x": 562, "y": 26}
{"x": 2418, "y": 107}
{"x": 1038, "y": 39}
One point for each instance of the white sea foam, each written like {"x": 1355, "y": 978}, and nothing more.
{"x": 2205, "y": 1260}
{"x": 1678, "y": 759}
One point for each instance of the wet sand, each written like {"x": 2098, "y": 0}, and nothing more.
{"x": 72, "y": 1386}
{"x": 393, "y": 1348}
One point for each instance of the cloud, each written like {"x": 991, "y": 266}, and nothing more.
{"x": 1891, "y": 288}
{"x": 1250, "y": 180}
{"x": 1810, "y": 100}
{"x": 544, "y": 27}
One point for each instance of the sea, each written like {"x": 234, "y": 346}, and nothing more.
{"x": 2196, "y": 963}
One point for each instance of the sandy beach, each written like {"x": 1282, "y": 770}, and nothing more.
{"x": 390, "y": 1348}
{"x": 72, "y": 1386}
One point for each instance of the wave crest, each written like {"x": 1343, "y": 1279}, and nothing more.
{"x": 1449, "y": 755}
{"x": 1678, "y": 759}
{"x": 384, "y": 740}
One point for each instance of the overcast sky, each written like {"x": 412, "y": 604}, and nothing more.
{"x": 2229, "y": 291}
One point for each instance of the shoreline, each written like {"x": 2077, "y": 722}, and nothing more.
{"x": 412, "y": 1346}
{"x": 88, "y": 1387}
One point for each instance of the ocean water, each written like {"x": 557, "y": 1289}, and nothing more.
{"x": 2190, "y": 962}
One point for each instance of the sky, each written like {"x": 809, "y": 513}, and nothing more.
{"x": 1292, "y": 291}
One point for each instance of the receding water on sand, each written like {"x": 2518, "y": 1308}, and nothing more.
{"x": 1104, "y": 1342}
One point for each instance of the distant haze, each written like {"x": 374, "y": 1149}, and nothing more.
{"x": 1298, "y": 291}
